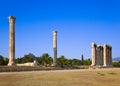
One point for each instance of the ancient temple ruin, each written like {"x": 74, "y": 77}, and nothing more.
{"x": 101, "y": 55}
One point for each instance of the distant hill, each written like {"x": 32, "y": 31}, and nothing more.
{"x": 116, "y": 59}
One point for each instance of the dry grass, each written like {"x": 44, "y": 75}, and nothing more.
{"x": 84, "y": 77}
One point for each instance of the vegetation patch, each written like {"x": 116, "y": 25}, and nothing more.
{"x": 112, "y": 73}
{"x": 101, "y": 74}
{"x": 46, "y": 60}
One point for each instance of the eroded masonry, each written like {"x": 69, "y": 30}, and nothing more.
{"x": 101, "y": 55}
{"x": 11, "y": 41}
{"x": 54, "y": 48}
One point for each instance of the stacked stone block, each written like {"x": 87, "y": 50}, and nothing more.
{"x": 101, "y": 55}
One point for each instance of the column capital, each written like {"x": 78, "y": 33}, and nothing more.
{"x": 94, "y": 45}
{"x": 105, "y": 45}
{"x": 54, "y": 32}
{"x": 11, "y": 19}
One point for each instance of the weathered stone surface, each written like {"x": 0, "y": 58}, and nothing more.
{"x": 93, "y": 54}
{"x": 11, "y": 41}
{"x": 105, "y": 55}
{"x": 35, "y": 63}
{"x": 101, "y": 55}
{"x": 54, "y": 48}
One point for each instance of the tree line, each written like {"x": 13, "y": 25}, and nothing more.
{"x": 116, "y": 64}
{"x": 46, "y": 60}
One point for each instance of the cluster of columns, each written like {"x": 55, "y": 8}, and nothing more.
{"x": 101, "y": 55}
{"x": 12, "y": 43}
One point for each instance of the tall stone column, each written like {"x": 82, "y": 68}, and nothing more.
{"x": 55, "y": 48}
{"x": 93, "y": 54}
{"x": 98, "y": 55}
{"x": 101, "y": 55}
{"x": 105, "y": 55}
{"x": 110, "y": 56}
{"x": 11, "y": 41}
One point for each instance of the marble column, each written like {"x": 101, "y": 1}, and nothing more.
{"x": 110, "y": 56}
{"x": 11, "y": 41}
{"x": 93, "y": 54}
{"x": 105, "y": 55}
{"x": 98, "y": 55}
{"x": 102, "y": 55}
{"x": 55, "y": 48}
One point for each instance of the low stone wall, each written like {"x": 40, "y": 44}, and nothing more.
{"x": 34, "y": 63}
{"x": 17, "y": 68}
{"x": 99, "y": 67}
{"x": 36, "y": 68}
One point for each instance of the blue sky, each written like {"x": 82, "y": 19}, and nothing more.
{"x": 78, "y": 22}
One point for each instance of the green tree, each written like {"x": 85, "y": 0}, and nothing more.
{"x": 19, "y": 60}
{"x": 87, "y": 62}
{"x": 82, "y": 60}
{"x": 28, "y": 58}
{"x": 5, "y": 61}
{"x": 76, "y": 62}
{"x": 61, "y": 61}
{"x": 39, "y": 59}
{"x": 50, "y": 61}
{"x": 45, "y": 59}
{"x": 69, "y": 62}
{"x": 116, "y": 64}
{"x": 1, "y": 60}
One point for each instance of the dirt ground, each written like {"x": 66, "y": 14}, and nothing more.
{"x": 81, "y": 77}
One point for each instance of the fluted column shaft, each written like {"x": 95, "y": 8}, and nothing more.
{"x": 11, "y": 41}
{"x": 110, "y": 56}
{"x": 55, "y": 48}
{"x": 105, "y": 55}
{"x": 93, "y": 54}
